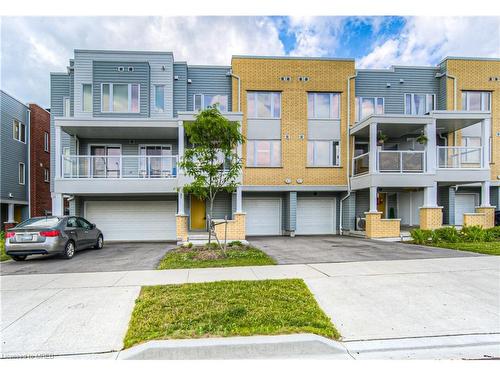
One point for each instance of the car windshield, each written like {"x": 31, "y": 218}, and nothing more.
{"x": 39, "y": 222}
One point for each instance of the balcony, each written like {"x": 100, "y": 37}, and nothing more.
{"x": 401, "y": 161}
{"x": 460, "y": 157}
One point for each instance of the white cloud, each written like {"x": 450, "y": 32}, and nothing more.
{"x": 31, "y": 48}
{"x": 427, "y": 40}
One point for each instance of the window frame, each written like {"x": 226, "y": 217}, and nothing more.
{"x": 46, "y": 175}
{"x": 273, "y": 107}
{"x": 203, "y": 105}
{"x": 91, "y": 96}
{"x": 255, "y": 165}
{"x": 359, "y": 107}
{"x": 467, "y": 100}
{"x": 46, "y": 142}
{"x": 331, "y": 156}
{"x": 66, "y": 106}
{"x": 129, "y": 98}
{"x": 21, "y": 176}
{"x": 162, "y": 110}
{"x": 21, "y": 131}
{"x": 412, "y": 95}
{"x": 331, "y": 95}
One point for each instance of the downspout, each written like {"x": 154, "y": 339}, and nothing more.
{"x": 230, "y": 73}
{"x": 447, "y": 75}
{"x": 348, "y": 166}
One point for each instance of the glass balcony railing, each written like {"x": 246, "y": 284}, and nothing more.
{"x": 361, "y": 164}
{"x": 401, "y": 161}
{"x": 459, "y": 157}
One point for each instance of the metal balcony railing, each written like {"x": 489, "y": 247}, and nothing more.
{"x": 120, "y": 166}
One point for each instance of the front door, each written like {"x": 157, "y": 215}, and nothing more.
{"x": 106, "y": 161}
{"x": 198, "y": 213}
{"x": 381, "y": 203}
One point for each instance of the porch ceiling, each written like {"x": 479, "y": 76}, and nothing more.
{"x": 392, "y": 130}
{"x": 122, "y": 132}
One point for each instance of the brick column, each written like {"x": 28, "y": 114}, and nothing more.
{"x": 489, "y": 216}
{"x": 181, "y": 228}
{"x": 431, "y": 217}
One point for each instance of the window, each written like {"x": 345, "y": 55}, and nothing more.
{"x": 202, "y": 101}
{"x": 66, "y": 107}
{"x": 263, "y": 153}
{"x": 87, "y": 97}
{"x": 159, "y": 98}
{"x": 19, "y": 131}
{"x": 368, "y": 106}
{"x": 476, "y": 100}
{"x": 323, "y": 105}
{"x": 46, "y": 142}
{"x": 120, "y": 97}
{"x": 82, "y": 223}
{"x": 22, "y": 174}
{"x": 323, "y": 153}
{"x": 46, "y": 175}
{"x": 419, "y": 104}
{"x": 264, "y": 104}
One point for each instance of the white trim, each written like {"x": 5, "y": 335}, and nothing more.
{"x": 46, "y": 141}
{"x": 129, "y": 98}
{"x": 23, "y": 175}
{"x": 20, "y": 127}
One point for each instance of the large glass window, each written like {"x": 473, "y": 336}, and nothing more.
{"x": 476, "y": 100}
{"x": 120, "y": 97}
{"x": 323, "y": 153}
{"x": 369, "y": 106}
{"x": 87, "y": 98}
{"x": 202, "y": 101}
{"x": 159, "y": 98}
{"x": 419, "y": 104}
{"x": 264, "y": 104}
{"x": 19, "y": 131}
{"x": 323, "y": 105}
{"x": 263, "y": 153}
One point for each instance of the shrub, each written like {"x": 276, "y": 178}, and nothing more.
{"x": 447, "y": 234}
{"x": 473, "y": 233}
{"x": 494, "y": 232}
{"x": 235, "y": 243}
{"x": 420, "y": 236}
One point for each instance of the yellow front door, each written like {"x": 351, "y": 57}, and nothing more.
{"x": 198, "y": 213}
{"x": 381, "y": 199}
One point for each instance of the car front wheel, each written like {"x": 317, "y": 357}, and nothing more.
{"x": 69, "y": 250}
{"x": 19, "y": 258}
{"x": 99, "y": 243}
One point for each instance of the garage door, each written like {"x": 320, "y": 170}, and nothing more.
{"x": 133, "y": 220}
{"x": 409, "y": 207}
{"x": 315, "y": 216}
{"x": 263, "y": 216}
{"x": 464, "y": 203}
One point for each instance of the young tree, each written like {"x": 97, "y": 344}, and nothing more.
{"x": 212, "y": 160}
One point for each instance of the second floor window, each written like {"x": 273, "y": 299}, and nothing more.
{"x": 264, "y": 104}
{"x": 46, "y": 142}
{"x": 120, "y": 97}
{"x": 159, "y": 98}
{"x": 419, "y": 104}
{"x": 322, "y": 105}
{"x": 323, "y": 153}
{"x": 475, "y": 100}
{"x": 264, "y": 153}
{"x": 19, "y": 131}
{"x": 368, "y": 106}
{"x": 202, "y": 101}
{"x": 87, "y": 97}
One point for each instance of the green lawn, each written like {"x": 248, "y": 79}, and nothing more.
{"x": 202, "y": 257}
{"x": 490, "y": 248}
{"x": 3, "y": 256}
{"x": 226, "y": 308}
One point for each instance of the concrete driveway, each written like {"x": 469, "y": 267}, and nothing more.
{"x": 325, "y": 249}
{"x": 126, "y": 256}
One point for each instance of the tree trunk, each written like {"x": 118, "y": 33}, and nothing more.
{"x": 210, "y": 210}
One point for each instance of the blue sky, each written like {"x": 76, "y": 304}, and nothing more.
{"x": 32, "y": 47}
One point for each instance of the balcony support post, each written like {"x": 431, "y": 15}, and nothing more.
{"x": 485, "y": 193}
{"x": 57, "y": 204}
{"x": 373, "y": 199}
{"x": 373, "y": 148}
{"x": 180, "y": 203}
{"x": 57, "y": 151}
{"x": 180, "y": 143}
{"x": 430, "y": 195}
{"x": 239, "y": 205}
{"x": 431, "y": 148}
{"x": 485, "y": 142}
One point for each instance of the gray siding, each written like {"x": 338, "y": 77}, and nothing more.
{"x": 362, "y": 202}
{"x": 13, "y": 152}
{"x": 208, "y": 80}
{"x": 349, "y": 212}
{"x": 107, "y": 72}
{"x": 370, "y": 83}
{"x": 180, "y": 87}
{"x": 494, "y": 196}
{"x": 443, "y": 200}
{"x": 59, "y": 88}
{"x": 222, "y": 206}
{"x": 441, "y": 98}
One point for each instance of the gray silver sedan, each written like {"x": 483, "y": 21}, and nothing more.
{"x": 52, "y": 235}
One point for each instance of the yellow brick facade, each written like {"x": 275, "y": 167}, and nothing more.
{"x": 376, "y": 227}
{"x": 489, "y": 216}
{"x": 181, "y": 228}
{"x": 235, "y": 228}
{"x": 473, "y": 219}
{"x": 475, "y": 75}
{"x": 431, "y": 217}
{"x": 263, "y": 74}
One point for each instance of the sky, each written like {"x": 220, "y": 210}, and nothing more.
{"x": 32, "y": 47}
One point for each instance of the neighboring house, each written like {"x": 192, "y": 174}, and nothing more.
{"x": 312, "y": 163}
{"x": 25, "y": 169}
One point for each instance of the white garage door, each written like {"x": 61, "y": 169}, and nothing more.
{"x": 315, "y": 216}
{"x": 133, "y": 220}
{"x": 464, "y": 203}
{"x": 263, "y": 216}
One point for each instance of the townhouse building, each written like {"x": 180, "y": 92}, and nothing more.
{"x": 25, "y": 161}
{"x": 329, "y": 149}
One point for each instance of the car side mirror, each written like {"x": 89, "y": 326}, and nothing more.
{"x": 92, "y": 226}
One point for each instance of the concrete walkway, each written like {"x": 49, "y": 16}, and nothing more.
{"x": 79, "y": 313}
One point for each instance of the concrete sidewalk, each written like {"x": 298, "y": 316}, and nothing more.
{"x": 88, "y": 313}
